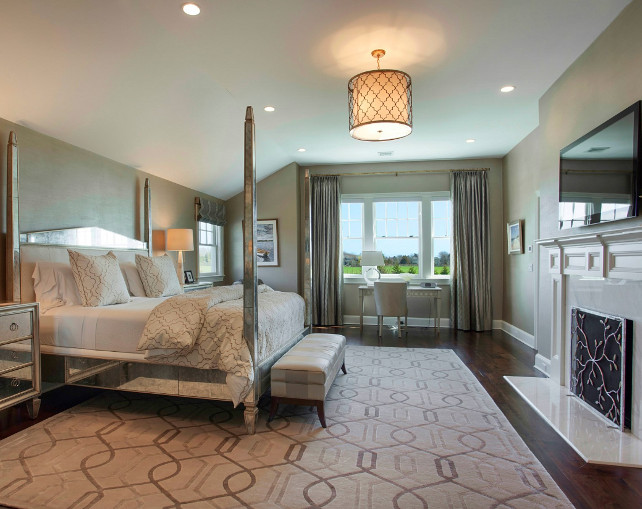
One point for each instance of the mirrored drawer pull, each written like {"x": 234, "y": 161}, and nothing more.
{"x": 15, "y": 382}
{"x": 13, "y": 326}
{"x": 14, "y": 355}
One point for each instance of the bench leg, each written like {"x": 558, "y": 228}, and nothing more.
{"x": 274, "y": 406}
{"x": 321, "y": 413}
{"x": 343, "y": 368}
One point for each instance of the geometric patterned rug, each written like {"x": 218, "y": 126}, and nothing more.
{"x": 407, "y": 428}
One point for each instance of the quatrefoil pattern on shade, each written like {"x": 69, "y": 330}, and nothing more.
{"x": 407, "y": 428}
{"x": 158, "y": 275}
{"x": 98, "y": 278}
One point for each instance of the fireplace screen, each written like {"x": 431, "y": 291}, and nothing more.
{"x": 601, "y": 363}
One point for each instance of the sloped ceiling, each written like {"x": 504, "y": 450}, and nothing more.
{"x": 142, "y": 83}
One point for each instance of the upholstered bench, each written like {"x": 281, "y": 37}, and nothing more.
{"x": 304, "y": 375}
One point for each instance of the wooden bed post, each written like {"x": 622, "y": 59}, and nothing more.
{"x": 147, "y": 218}
{"x": 12, "y": 253}
{"x": 307, "y": 267}
{"x": 250, "y": 311}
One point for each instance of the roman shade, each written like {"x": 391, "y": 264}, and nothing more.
{"x": 211, "y": 212}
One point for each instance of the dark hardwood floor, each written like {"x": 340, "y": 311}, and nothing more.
{"x": 489, "y": 356}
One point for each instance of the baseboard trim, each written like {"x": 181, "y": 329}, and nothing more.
{"x": 516, "y": 332}
{"x": 543, "y": 364}
{"x": 412, "y": 321}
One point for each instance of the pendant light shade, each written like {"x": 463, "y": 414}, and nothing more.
{"x": 380, "y": 103}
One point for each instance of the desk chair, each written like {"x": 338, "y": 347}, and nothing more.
{"x": 391, "y": 300}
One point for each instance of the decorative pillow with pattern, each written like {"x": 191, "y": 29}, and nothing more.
{"x": 98, "y": 278}
{"x": 158, "y": 275}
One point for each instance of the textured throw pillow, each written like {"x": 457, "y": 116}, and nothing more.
{"x": 98, "y": 278}
{"x": 132, "y": 278}
{"x": 158, "y": 275}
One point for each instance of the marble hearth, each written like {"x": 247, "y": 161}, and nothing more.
{"x": 600, "y": 272}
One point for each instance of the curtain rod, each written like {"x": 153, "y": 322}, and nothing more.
{"x": 395, "y": 173}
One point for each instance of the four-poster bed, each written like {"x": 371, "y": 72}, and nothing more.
{"x": 129, "y": 371}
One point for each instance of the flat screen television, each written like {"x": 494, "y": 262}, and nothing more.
{"x": 600, "y": 173}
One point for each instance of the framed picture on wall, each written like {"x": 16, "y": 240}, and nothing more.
{"x": 267, "y": 243}
{"x": 515, "y": 236}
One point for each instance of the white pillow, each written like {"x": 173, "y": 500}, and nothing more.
{"x": 54, "y": 285}
{"x": 132, "y": 278}
{"x": 99, "y": 279}
{"x": 158, "y": 275}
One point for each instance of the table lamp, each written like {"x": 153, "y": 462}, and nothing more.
{"x": 180, "y": 239}
{"x": 370, "y": 260}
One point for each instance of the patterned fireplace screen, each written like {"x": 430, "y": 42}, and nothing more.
{"x": 601, "y": 363}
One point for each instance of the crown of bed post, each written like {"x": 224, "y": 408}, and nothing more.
{"x": 250, "y": 311}
{"x": 147, "y": 217}
{"x": 12, "y": 255}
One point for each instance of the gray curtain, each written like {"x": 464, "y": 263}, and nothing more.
{"x": 327, "y": 276}
{"x": 471, "y": 306}
{"x": 211, "y": 212}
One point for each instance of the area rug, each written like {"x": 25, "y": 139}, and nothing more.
{"x": 407, "y": 428}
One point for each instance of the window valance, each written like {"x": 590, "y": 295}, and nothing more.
{"x": 211, "y": 212}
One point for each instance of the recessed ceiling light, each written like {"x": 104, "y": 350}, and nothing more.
{"x": 301, "y": 150}
{"x": 470, "y": 140}
{"x": 269, "y": 108}
{"x": 191, "y": 8}
{"x": 507, "y": 88}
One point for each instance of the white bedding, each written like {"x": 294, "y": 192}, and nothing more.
{"x": 114, "y": 328}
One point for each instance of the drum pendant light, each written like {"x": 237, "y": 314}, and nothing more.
{"x": 380, "y": 103}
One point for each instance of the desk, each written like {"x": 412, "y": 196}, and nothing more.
{"x": 413, "y": 291}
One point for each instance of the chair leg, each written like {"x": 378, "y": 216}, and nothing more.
{"x": 274, "y": 405}
{"x": 343, "y": 368}
{"x": 380, "y": 322}
{"x": 398, "y": 326}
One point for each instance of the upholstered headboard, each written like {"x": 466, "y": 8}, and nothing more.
{"x": 52, "y": 246}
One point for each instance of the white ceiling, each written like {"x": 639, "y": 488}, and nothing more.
{"x": 142, "y": 83}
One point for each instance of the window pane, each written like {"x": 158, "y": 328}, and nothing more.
{"x": 355, "y": 229}
{"x": 391, "y": 227}
{"x": 439, "y": 228}
{"x": 413, "y": 228}
{"x": 413, "y": 209}
{"x": 355, "y": 210}
{"x": 202, "y": 237}
{"x": 391, "y": 209}
{"x": 441, "y": 251}
{"x": 439, "y": 209}
{"x": 206, "y": 259}
{"x": 402, "y": 209}
{"x": 380, "y": 210}
{"x": 400, "y": 255}
{"x": 344, "y": 229}
{"x": 344, "y": 210}
{"x": 403, "y": 227}
{"x": 352, "y": 256}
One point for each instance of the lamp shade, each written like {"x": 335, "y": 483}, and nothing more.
{"x": 372, "y": 259}
{"x": 380, "y": 105}
{"x": 180, "y": 239}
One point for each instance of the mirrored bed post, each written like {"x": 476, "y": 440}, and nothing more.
{"x": 12, "y": 254}
{"x": 250, "y": 312}
{"x": 148, "y": 216}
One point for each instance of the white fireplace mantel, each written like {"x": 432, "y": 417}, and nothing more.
{"x": 606, "y": 260}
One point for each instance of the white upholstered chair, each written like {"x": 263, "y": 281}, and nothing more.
{"x": 390, "y": 300}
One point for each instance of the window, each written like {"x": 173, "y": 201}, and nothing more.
{"x": 352, "y": 236}
{"x": 209, "y": 249}
{"x": 441, "y": 233}
{"x": 413, "y": 231}
{"x": 397, "y": 235}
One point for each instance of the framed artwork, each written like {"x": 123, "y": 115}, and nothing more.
{"x": 267, "y": 243}
{"x": 515, "y": 236}
{"x": 189, "y": 277}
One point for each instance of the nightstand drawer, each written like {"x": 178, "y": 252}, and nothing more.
{"x": 15, "y": 325}
{"x": 13, "y": 355}
{"x": 11, "y": 384}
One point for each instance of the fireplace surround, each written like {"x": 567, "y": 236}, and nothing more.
{"x": 599, "y": 270}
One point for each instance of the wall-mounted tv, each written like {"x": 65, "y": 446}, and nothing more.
{"x": 600, "y": 173}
